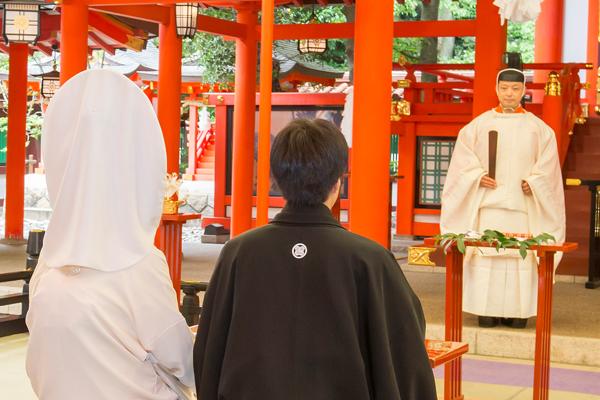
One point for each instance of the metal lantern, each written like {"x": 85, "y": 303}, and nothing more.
{"x": 312, "y": 46}
{"x": 21, "y": 21}
{"x": 186, "y": 15}
{"x": 50, "y": 84}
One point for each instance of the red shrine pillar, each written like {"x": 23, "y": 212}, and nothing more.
{"x": 548, "y": 40}
{"x": 243, "y": 124}
{"x": 370, "y": 163}
{"x": 490, "y": 44}
{"x": 73, "y": 38}
{"x": 592, "y": 55}
{"x": 264, "y": 129}
{"x": 15, "y": 143}
{"x": 169, "y": 89}
{"x": 192, "y": 137}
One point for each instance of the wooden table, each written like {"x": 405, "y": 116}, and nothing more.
{"x": 168, "y": 239}
{"x": 440, "y": 352}
{"x": 454, "y": 285}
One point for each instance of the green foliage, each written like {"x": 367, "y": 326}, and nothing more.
{"x": 494, "y": 239}
{"x": 521, "y": 39}
{"x": 212, "y": 52}
{"x": 3, "y": 62}
{"x": 217, "y": 56}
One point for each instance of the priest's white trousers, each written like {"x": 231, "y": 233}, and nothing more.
{"x": 500, "y": 284}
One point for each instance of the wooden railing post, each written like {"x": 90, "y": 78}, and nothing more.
{"x": 553, "y": 112}
{"x": 453, "y": 324}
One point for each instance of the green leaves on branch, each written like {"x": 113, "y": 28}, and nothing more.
{"x": 495, "y": 239}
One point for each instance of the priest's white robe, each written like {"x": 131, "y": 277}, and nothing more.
{"x": 503, "y": 285}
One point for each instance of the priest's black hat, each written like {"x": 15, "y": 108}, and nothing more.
{"x": 511, "y": 75}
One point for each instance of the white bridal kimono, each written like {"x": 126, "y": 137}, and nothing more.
{"x": 103, "y": 319}
{"x": 503, "y": 285}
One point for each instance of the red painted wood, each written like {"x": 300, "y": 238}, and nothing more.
{"x": 15, "y": 155}
{"x": 441, "y": 352}
{"x": 169, "y": 103}
{"x": 453, "y": 322}
{"x": 454, "y": 265}
{"x": 407, "y": 148}
{"x": 168, "y": 239}
{"x": 220, "y": 159}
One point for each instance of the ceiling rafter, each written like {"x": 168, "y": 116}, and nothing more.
{"x": 101, "y": 43}
{"x": 149, "y": 13}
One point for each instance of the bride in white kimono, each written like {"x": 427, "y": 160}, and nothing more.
{"x": 525, "y": 197}
{"x": 104, "y": 322}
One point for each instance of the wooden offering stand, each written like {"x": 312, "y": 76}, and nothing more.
{"x": 454, "y": 285}
{"x": 168, "y": 239}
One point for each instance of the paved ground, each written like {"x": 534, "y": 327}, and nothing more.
{"x": 484, "y": 378}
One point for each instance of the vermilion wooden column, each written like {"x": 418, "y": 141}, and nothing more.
{"x": 453, "y": 323}
{"x": 548, "y": 39}
{"x": 169, "y": 239}
{"x": 264, "y": 129}
{"x": 15, "y": 143}
{"x": 552, "y": 113}
{"x": 370, "y": 164}
{"x": 407, "y": 159}
{"x": 490, "y": 44}
{"x": 192, "y": 137}
{"x": 592, "y": 55}
{"x": 243, "y": 125}
{"x": 73, "y": 38}
{"x": 169, "y": 89}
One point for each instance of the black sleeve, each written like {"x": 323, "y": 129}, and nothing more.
{"x": 396, "y": 331}
{"x": 213, "y": 328}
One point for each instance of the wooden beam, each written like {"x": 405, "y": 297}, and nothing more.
{"x": 322, "y": 2}
{"x": 220, "y": 26}
{"x": 43, "y": 48}
{"x": 401, "y": 29}
{"x": 150, "y": 13}
{"x": 101, "y": 43}
{"x": 102, "y": 24}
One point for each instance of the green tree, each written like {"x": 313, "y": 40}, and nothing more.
{"x": 217, "y": 56}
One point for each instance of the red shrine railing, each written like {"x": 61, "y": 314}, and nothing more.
{"x": 203, "y": 140}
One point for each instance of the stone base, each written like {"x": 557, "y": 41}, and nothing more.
{"x": 215, "y": 239}
{"x": 13, "y": 242}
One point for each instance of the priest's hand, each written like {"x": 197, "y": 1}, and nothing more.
{"x": 526, "y": 188}
{"x": 487, "y": 182}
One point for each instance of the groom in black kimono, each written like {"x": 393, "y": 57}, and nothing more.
{"x": 302, "y": 309}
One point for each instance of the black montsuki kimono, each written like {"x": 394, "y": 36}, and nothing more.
{"x": 302, "y": 309}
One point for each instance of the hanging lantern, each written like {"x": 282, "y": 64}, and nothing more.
{"x": 21, "y": 21}
{"x": 312, "y": 46}
{"x": 186, "y": 16}
{"x": 50, "y": 84}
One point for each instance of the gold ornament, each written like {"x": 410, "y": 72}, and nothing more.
{"x": 420, "y": 256}
{"x": 553, "y": 85}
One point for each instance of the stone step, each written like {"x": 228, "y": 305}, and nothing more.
{"x": 204, "y": 177}
{"x": 206, "y": 164}
{"x": 205, "y": 171}
{"x": 206, "y": 158}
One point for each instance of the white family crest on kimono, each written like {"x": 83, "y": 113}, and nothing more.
{"x": 502, "y": 284}
{"x": 518, "y": 10}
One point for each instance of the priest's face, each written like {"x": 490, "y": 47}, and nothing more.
{"x": 510, "y": 94}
